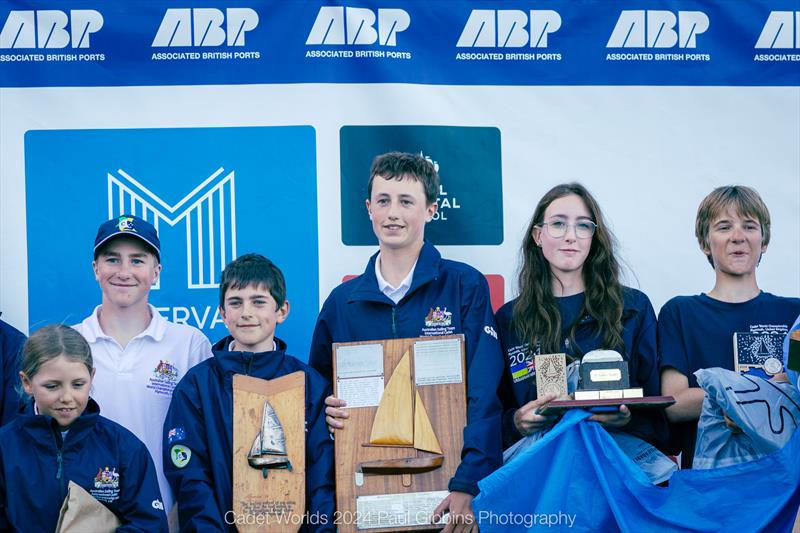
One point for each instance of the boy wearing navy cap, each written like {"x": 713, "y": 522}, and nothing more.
{"x": 139, "y": 355}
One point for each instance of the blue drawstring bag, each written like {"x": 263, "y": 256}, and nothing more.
{"x": 766, "y": 411}
{"x": 576, "y": 478}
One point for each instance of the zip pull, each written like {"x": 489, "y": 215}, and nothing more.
{"x": 60, "y": 464}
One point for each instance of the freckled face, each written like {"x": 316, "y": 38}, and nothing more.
{"x": 399, "y": 211}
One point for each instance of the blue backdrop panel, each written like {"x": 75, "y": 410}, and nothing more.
{"x": 213, "y": 193}
{"x": 468, "y": 160}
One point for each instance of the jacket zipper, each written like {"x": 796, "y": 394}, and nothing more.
{"x": 60, "y": 462}
{"x": 394, "y": 321}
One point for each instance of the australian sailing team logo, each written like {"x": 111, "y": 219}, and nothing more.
{"x": 106, "y": 485}
{"x": 438, "y": 317}
{"x": 164, "y": 378}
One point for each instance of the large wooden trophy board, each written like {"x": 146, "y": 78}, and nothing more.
{"x": 269, "y": 452}
{"x": 402, "y": 442}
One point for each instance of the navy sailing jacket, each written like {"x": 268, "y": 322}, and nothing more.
{"x": 445, "y": 298}
{"x": 107, "y": 460}
{"x": 200, "y": 419}
{"x": 11, "y": 342}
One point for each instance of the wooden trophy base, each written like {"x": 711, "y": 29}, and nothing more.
{"x": 559, "y": 407}
{"x": 275, "y": 501}
{"x": 417, "y": 389}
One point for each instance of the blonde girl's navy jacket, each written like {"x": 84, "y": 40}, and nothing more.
{"x": 445, "y": 298}
{"x": 639, "y": 350}
{"x": 107, "y": 460}
{"x": 200, "y": 424}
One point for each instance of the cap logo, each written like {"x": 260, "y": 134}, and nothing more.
{"x": 125, "y": 224}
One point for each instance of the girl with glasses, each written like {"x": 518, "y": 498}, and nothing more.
{"x": 571, "y": 301}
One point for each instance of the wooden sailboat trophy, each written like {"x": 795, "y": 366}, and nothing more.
{"x": 269, "y": 442}
{"x": 401, "y": 422}
{"x": 402, "y": 441}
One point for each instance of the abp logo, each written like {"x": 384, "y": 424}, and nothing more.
{"x": 507, "y": 28}
{"x": 656, "y": 29}
{"x": 205, "y": 27}
{"x": 339, "y": 25}
{"x": 781, "y": 30}
{"x": 213, "y": 194}
{"x": 48, "y": 28}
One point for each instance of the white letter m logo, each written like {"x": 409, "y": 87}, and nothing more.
{"x": 209, "y": 212}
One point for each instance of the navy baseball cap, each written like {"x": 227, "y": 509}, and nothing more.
{"x": 129, "y": 225}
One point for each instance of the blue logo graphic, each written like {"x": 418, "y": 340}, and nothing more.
{"x": 212, "y": 194}
{"x": 468, "y": 161}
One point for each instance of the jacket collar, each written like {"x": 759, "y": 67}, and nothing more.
{"x": 42, "y": 426}
{"x": 427, "y": 270}
{"x": 263, "y": 364}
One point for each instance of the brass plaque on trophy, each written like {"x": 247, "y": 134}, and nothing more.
{"x": 402, "y": 442}
{"x": 269, "y": 452}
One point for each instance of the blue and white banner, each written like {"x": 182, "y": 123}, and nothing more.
{"x": 250, "y": 127}
{"x": 555, "y": 42}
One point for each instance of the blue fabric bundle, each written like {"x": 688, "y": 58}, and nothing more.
{"x": 576, "y": 478}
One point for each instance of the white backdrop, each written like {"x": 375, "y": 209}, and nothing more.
{"x": 649, "y": 155}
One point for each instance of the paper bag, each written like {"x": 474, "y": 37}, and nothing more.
{"x": 80, "y": 513}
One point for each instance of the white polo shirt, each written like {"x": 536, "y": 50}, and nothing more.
{"x": 395, "y": 294}
{"x": 133, "y": 386}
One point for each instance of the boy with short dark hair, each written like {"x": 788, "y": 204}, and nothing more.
{"x": 694, "y": 332}
{"x": 405, "y": 282}
{"x": 200, "y": 418}
{"x": 139, "y": 355}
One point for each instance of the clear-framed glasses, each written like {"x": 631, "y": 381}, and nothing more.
{"x": 556, "y": 228}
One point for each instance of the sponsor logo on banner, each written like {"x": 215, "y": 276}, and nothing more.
{"x": 655, "y": 30}
{"x": 210, "y": 192}
{"x": 358, "y": 32}
{"x": 49, "y": 30}
{"x": 505, "y": 29}
{"x": 470, "y": 203}
{"x": 200, "y": 28}
{"x": 780, "y": 33}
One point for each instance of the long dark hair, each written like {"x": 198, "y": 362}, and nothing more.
{"x": 536, "y": 317}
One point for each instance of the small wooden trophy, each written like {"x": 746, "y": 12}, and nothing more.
{"x": 402, "y": 442}
{"x": 269, "y": 452}
{"x": 604, "y": 386}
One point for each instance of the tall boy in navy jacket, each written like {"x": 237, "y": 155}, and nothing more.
{"x": 198, "y": 431}
{"x": 402, "y": 284}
